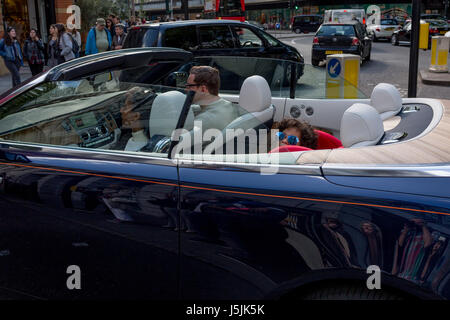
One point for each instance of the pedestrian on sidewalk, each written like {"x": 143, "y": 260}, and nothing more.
{"x": 77, "y": 37}
{"x": 120, "y": 36}
{"x": 98, "y": 39}
{"x": 33, "y": 51}
{"x": 64, "y": 44}
{"x": 12, "y": 54}
{"x": 52, "y": 49}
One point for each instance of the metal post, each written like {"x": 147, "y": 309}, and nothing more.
{"x": 185, "y": 6}
{"x": 171, "y": 9}
{"x": 414, "y": 50}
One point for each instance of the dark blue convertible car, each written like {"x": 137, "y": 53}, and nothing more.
{"x": 141, "y": 219}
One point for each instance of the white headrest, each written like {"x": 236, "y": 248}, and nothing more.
{"x": 386, "y": 100}
{"x": 255, "y": 94}
{"x": 361, "y": 125}
{"x": 165, "y": 112}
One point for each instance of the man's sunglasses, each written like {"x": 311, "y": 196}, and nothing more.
{"x": 292, "y": 140}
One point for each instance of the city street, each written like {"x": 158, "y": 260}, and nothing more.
{"x": 388, "y": 64}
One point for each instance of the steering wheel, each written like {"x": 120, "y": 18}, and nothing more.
{"x": 249, "y": 42}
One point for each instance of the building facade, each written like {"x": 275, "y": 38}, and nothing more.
{"x": 26, "y": 14}
{"x": 272, "y": 11}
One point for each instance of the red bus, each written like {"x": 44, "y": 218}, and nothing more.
{"x": 225, "y": 9}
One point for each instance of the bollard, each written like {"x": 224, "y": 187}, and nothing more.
{"x": 424, "y": 35}
{"x": 342, "y": 76}
{"x": 439, "y": 53}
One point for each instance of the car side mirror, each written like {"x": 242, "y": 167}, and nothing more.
{"x": 180, "y": 78}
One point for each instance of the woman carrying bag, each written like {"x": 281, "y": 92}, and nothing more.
{"x": 64, "y": 44}
{"x": 33, "y": 51}
{"x": 12, "y": 54}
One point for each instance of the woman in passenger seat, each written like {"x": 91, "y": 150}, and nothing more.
{"x": 134, "y": 117}
{"x": 296, "y": 132}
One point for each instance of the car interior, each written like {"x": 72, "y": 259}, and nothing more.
{"x": 98, "y": 112}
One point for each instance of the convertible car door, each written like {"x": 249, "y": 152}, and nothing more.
{"x": 83, "y": 215}
{"x": 112, "y": 216}
{"x": 240, "y": 238}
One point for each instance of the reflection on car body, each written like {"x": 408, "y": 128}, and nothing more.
{"x": 160, "y": 225}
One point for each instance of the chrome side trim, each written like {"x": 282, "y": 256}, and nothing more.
{"x": 67, "y": 152}
{"x": 408, "y": 171}
{"x": 264, "y": 169}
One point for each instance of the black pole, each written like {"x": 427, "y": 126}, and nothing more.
{"x": 414, "y": 50}
{"x": 185, "y": 6}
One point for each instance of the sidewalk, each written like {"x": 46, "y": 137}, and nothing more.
{"x": 6, "y": 82}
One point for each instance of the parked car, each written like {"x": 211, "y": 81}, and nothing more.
{"x": 334, "y": 38}
{"x": 152, "y": 224}
{"x": 385, "y": 29}
{"x": 403, "y": 35}
{"x": 213, "y": 37}
{"x": 306, "y": 23}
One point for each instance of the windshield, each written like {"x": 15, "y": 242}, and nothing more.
{"x": 437, "y": 23}
{"x": 388, "y": 22}
{"x": 114, "y": 111}
{"x": 347, "y": 15}
{"x": 230, "y": 8}
{"x": 336, "y": 30}
{"x": 309, "y": 82}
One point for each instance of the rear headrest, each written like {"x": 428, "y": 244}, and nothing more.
{"x": 165, "y": 112}
{"x": 361, "y": 125}
{"x": 255, "y": 94}
{"x": 386, "y": 100}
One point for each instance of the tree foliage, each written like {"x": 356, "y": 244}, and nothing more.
{"x": 93, "y": 9}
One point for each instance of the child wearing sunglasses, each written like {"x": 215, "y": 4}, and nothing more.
{"x": 296, "y": 132}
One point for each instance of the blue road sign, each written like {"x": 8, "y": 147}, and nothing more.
{"x": 334, "y": 68}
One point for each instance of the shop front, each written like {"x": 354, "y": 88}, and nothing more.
{"x": 26, "y": 14}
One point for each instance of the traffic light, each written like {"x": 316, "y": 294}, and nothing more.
{"x": 297, "y": 5}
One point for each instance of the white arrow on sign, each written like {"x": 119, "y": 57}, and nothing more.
{"x": 333, "y": 68}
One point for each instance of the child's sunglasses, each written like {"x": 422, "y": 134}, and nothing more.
{"x": 292, "y": 140}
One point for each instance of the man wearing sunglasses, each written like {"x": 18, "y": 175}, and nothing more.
{"x": 208, "y": 107}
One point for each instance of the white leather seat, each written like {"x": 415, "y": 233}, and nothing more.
{"x": 361, "y": 126}
{"x": 166, "y": 109}
{"x": 386, "y": 99}
{"x": 256, "y": 98}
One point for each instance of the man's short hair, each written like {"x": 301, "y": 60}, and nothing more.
{"x": 208, "y": 76}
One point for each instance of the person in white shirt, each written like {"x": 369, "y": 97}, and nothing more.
{"x": 133, "y": 118}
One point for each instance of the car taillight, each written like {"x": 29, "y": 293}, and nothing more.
{"x": 364, "y": 20}
{"x": 316, "y": 40}
{"x": 378, "y": 29}
{"x": 434, "y": 30}
{"x": 355, "y": 41}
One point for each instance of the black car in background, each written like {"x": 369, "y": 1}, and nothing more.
{"x": 436, "y": 28}
{"x": 306, "y": 23}
{"x": 336, "y": 38}
{"x": 212, "y": 37}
